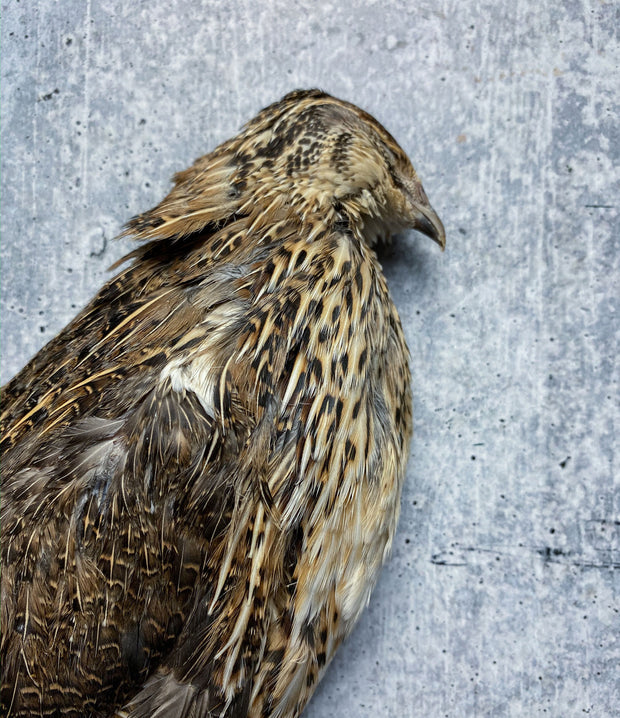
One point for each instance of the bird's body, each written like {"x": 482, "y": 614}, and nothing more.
{"x": 201, "y": 474}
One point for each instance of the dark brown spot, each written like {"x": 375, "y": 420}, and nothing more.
{"x": 350, "y": 451}
{"x": 291, "y": 305}
{"x": 194, "y": 341}
{"x": 301, "y": 257}
{"x": 362, "y": 360}
{"x": 348, "y": 298}
{"x": 317, "y": 369}
{"x": 39, "y": 415}
{"x": 327, "y": 405}
{"x": 339, "y": 406}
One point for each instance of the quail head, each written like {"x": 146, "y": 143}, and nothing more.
{"x": 201, "y": 473}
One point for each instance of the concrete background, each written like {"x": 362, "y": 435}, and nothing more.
{"x": 502, "y": 595}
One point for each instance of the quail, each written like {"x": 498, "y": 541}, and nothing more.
{"x": 201, "y": 473}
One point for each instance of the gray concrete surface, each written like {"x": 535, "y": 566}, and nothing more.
{"x": 502, "y": 597}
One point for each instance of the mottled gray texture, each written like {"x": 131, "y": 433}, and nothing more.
{"x": 502, "y": 597}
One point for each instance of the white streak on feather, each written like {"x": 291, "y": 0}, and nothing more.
{"x": 196, "y": 377}
{"x": 298, "y": 368}
{"x": 256, "y": 554}
{"x": 241, "y": 522}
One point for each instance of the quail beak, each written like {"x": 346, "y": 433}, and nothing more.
{"x": 427, "y": 222}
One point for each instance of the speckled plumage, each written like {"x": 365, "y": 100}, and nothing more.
{"x": 201, "y": 474}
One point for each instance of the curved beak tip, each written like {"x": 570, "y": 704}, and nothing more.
{"x": 429, "y": 224}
